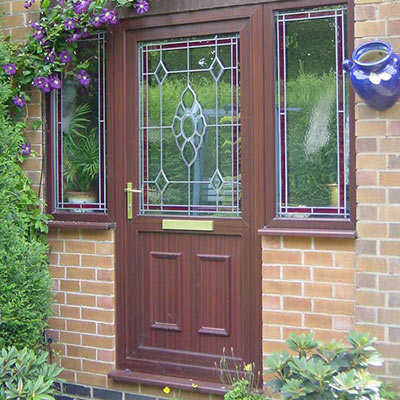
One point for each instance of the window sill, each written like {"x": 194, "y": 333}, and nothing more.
{"x": 329, "y": 233}
{"x": 82, "y": 225}
{"x": 127, "y": 376}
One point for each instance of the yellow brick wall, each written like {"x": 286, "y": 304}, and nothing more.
{"x": 308, "y": 284}
{"x": 378, "y": 196}
{"x": 82, "y": 264}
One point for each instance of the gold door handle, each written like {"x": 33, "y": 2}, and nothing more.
{"x": 129, "y": 198}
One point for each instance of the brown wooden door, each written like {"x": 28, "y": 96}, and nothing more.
{"x": 188, "y": 111}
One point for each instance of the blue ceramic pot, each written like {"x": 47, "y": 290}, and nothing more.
{"x": 375, "y": 74}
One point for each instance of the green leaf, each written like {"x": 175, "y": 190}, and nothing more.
{"x": 45, "y": 4}
{"x": 36, "y": 125}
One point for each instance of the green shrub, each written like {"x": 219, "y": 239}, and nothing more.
{"x": 25, "y": 375}
{"x": 243, "y": 380}
{"x": 326, "y": 371}
{"x": 387, "y": 393}
{"x": 25, "y": 282}
{"x": 240, "y": 391}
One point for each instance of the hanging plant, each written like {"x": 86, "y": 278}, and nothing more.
{"x": 50, "y": 51}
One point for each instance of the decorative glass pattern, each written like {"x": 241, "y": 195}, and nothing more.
{"x": 312, "y": 114}
{"x": 190, "y": 126}
{"x": 79, "y": 115}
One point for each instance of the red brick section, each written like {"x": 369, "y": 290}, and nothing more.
{"x": 378, "y": 179}
{"x": 308, "y": 284}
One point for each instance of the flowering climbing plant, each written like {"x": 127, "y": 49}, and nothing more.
{"x": 50, "y": 51}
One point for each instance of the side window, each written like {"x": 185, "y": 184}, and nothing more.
{"x": 79, "y": 129}
{"x": 312, "y": 123}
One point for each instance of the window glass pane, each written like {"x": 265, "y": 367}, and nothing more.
{"x": 80, "y": 135}
{"x": 190, "y": 126}
{"x": 312, "y": 118}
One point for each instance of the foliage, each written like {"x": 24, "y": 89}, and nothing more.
{"x": 24, "y": 375}
{"x": 240, "y": 391}
{"x": 387, "y": 392}
{"x": 326, "y": 371}
{"x": 243, "y": 380}
{"x": 25, "y": 283}
{"x": 81, "y": 152}
{"x": 51, "y": 49}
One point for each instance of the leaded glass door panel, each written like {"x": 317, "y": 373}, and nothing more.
{"x": 190, "y": 126}
{"x": 187, "y": 108}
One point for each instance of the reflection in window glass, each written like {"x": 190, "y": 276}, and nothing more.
{"x": 79, "y": 126}
{"x": 190, "y": 126}
{"x": 312, "y": 114}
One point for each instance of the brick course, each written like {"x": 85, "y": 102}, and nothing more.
{"x": 316, "y": 291}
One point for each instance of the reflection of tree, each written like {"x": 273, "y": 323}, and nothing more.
{"x": 80, "y": 124}
{"x": 312, "y": 43}
{"x": 312, "y": 160}
{"x": 311, "y": 110}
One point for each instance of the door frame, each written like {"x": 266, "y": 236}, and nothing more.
{"x": 250, "y": 19}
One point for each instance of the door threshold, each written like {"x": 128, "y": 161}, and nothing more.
{"x": 172, "y": 382}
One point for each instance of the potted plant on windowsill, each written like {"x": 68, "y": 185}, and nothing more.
{"x": 81, "y": 159}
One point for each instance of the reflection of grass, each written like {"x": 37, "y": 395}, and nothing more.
{"x": 312, "y": 139}
{"x": 172, "y": 90}
{"x": 205, "y": 89}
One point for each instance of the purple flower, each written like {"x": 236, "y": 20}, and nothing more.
{"x": 85, "y": 33}
{"x": 39, "y": 34}
{"x": 74, "y": 37}
{"x": 36, "y": 26}
{"x": 38, "y": 81}
{"x": 46, "y": 44}
{"x": 45, "y": 86}
{"x": 42, "y": 83}
{"x": 70, "y": 24}
{"x": 10, "y": 69}
{"x": 81, "y": 6}
{"x": 55, "y": 82}
{"x": 83, "y": 78}
{"x": 60, "y": 2}
{"x": 142, "y": 6}
{"x": 65, "y": 56}
{"x": 26, "y": 149}
{"x": 96, "y": 21}
{"x": 110, "y": 17}
{"x": 19, "y": 101}
{"x": 50, "y": 57}
{"x": 28, "y": 3}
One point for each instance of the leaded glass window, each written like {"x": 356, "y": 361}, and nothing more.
{"x": 79, "y": 115}
{"x": 312, "y": 127}
{"x": 190, "y": 126}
